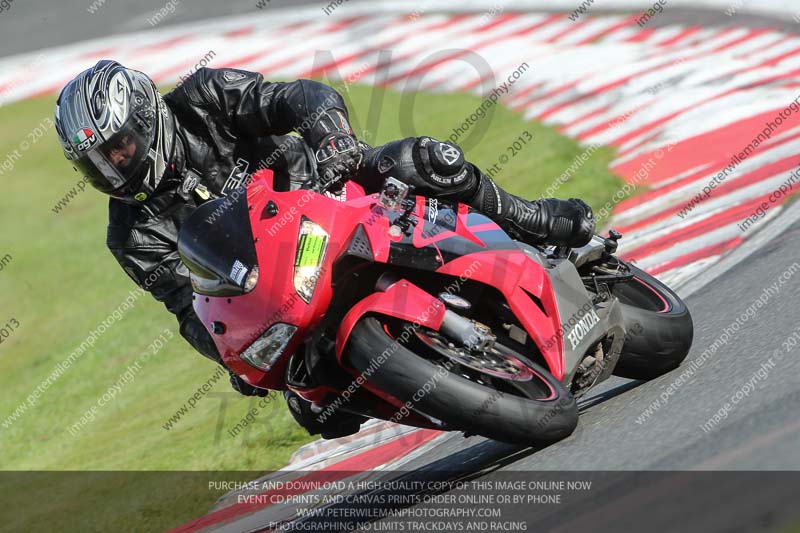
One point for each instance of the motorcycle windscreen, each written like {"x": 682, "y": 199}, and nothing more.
{"x": 216, "y": 245}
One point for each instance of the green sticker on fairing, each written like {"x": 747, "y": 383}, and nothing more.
{"x": 310, "y": 250}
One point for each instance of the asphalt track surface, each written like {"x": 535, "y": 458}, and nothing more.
{"x": 35, "y": 24}
{"x": 32, "y": 25}
{"x": 760, "y": 432}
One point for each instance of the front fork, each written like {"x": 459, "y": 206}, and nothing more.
{"x": 469, "y": 333}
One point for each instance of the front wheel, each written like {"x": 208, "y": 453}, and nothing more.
{"x": 659, "y": 327}
{"x": 497, "y": 394}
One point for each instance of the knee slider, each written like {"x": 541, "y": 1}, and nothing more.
{"x": 441, "y": 164}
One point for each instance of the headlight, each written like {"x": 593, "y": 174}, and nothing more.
{"x": 251, "y": 280}
{"x": 311, "y": 245}
{"x": 266, "y": 349}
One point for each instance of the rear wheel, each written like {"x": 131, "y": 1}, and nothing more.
{"x": 496, "y": 393}
{"x": 659, "y": 327}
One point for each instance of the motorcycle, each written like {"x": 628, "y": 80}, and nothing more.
{"x": 409, "y": 309}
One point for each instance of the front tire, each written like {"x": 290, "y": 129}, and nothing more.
{"x": 462, "y": 404}
{"x": 659, "y": 326}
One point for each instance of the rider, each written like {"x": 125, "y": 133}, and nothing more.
{"x": 159, "y": 158}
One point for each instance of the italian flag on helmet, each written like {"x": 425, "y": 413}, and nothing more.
{"x": 84, "y": 138}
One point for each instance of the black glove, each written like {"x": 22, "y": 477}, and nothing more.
{"x": 338, "y": 158}
{"x": 244, "y": 388}
{"x": 572, "y": 222}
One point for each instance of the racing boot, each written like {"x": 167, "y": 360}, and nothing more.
{"x": 545, "y": 221}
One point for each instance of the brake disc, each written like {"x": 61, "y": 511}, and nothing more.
{"x": 496, "y": 361}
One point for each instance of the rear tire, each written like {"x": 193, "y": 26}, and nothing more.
{"x": 460, "y": 403}
{"x": 659, "y": 326}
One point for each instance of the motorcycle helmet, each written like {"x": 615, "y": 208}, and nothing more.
{"x": 116, "y": 130}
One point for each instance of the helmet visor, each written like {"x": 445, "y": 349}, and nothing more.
{"x": 116, "y": 166}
